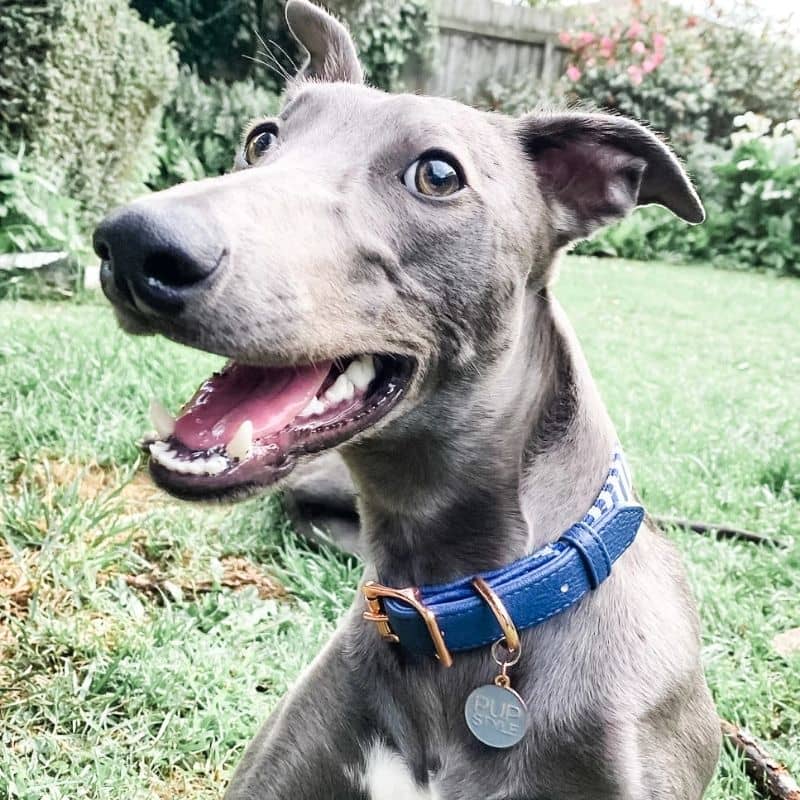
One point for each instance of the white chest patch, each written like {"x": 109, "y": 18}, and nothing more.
{"x": 387, "y": 777}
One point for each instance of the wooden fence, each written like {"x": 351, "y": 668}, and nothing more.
{"x": 481, "y": 40}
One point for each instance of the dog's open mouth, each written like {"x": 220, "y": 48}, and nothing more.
{"x": 245, "y": 425}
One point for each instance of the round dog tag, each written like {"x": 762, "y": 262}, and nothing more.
{"x": 496, "y": 715}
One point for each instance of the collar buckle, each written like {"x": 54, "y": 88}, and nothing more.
{"x": 375, "y": 593}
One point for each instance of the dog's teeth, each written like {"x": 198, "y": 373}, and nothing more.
{"x": 242, "y": 442}
{"x": 316, "y": 406}
{"x": 214, "y": 465}
{"x": 361, "y": 372}
{"x": 211, "y": 465}
{"x": 342, "y": 389}
{"x": 163, "y": 421}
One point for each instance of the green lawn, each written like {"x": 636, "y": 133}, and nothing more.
{"x": 142, "y": 641}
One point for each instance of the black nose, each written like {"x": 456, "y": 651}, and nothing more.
{"x": 155, "y": 256}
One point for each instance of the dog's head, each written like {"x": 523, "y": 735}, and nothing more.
{"x": 367, "y": 251}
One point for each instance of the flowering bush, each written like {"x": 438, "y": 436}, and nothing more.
{"x": 688, "y": 76}
{"x": 648, "y": 63}
{"x": 751, "y": 193}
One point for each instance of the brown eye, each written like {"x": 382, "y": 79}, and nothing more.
{"x": 433, "y": 176}
{"x": 258, "y": 144}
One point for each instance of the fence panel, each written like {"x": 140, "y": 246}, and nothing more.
{"x": 483, "y": 39}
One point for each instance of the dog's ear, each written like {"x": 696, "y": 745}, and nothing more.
{"x": 595, "y": 168}
{"x": 331, "y": 53}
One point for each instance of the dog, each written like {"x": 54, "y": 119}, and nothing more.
{"x": 378, "y": 270}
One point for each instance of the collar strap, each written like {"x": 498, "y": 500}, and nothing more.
{"x": 449, "y": 618}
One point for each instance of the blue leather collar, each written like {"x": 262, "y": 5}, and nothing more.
{"x": 532, "y": 589}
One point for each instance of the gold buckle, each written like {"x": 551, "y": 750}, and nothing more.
{"x": 510, "y": 633}
{"x": 375, "y": 592}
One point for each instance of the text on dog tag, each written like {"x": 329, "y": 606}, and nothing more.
{"x": 496, "y": 715}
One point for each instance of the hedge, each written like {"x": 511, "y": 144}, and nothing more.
{"x": 83, "y": 85}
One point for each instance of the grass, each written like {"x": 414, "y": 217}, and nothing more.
{"x": 142, "y": 641}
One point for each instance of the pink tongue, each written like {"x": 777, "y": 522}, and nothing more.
{"x": 269, "y": 397}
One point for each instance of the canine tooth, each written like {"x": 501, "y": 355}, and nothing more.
{"x": 342, "y": 389}
{"x": 361, "y": 372}
{"x": 163, "y": 421}
{"x": 239, "y": 447}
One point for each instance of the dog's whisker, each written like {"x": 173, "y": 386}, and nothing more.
{"x": 288, "y": 57}
{"x": 266, "y": 51}
{"x": 267, "y": 65}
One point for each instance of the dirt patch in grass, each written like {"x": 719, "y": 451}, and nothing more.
{"x": 93, "y": 480}
{"x": 237, "y": 573}
{"x": 183, "y": 785}
{"x": 15, "y": 593}
{"x": 15, "y": 587}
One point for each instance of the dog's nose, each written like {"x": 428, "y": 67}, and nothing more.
{"x": 156, "y": 256}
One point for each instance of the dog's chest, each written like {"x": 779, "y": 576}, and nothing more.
{"x": 387, "y": 776}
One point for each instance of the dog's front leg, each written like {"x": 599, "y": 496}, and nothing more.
{"x": 311, "y": 747}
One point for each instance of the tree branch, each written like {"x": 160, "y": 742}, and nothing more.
{"x": 770, "y": 776}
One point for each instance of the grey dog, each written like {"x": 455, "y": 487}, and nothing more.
{"x": 409, "y": 243}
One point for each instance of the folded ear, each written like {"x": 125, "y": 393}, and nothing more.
{"x": 595, "y": 168}
{"x": 331, "y": 53}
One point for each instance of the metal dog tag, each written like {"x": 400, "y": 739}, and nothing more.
{"x": 496, "y": 715}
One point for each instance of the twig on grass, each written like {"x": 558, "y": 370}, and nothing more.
{"x": 771, "y": 778}
{"x": 724, "y": 531}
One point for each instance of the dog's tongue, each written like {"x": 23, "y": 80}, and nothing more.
{"x": 270, "y": 397}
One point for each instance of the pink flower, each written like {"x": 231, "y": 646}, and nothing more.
{"x": 635, "y": 74}
{"x": 590, "y": 62}
{"x": 606, "y": 47}
{"x": 573, "y": 73}
{"x": 565, "y": 38}
{"x": 659, "y": 42}
{"x": 635, "y": 29}
{"x": 584, "y": 38}
{"x": 658, "y": 58}
{"x": 649, "y": 64}
{"x": 638, "y": 48}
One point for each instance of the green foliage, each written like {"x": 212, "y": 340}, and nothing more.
{"x": 230, "y": 42}
{"x": 393, "y": 38}
{"x": 758, "y": 195}
{"x": 33, "y": 215}
{"x": 202, "y": 125}
{"x": 751, "y": 193}
{"x": 687, "y": 76}
{"x": 220, "y": 40}
{"x": 90, "y": 105}
{"x": 515, "y": 97}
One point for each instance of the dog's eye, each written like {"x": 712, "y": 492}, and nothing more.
{"x": 258, "y": 143}
{"x": 434, "y": 176}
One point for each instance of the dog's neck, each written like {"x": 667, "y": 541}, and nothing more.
{"x": 507, "y": 461}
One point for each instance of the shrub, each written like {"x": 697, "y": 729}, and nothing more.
{"x": 751, "y": 195}
{"x": 394, "y": 38}
{"x": 219, "y": 40}
{"x": 759, "y": 190}
{"x": 687, "y": 76}
{"x": 202, "y": 125}
{"x": 513, "y": 97}
{"x": 84, "y": 82}
{"x": 35, "y": 217}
